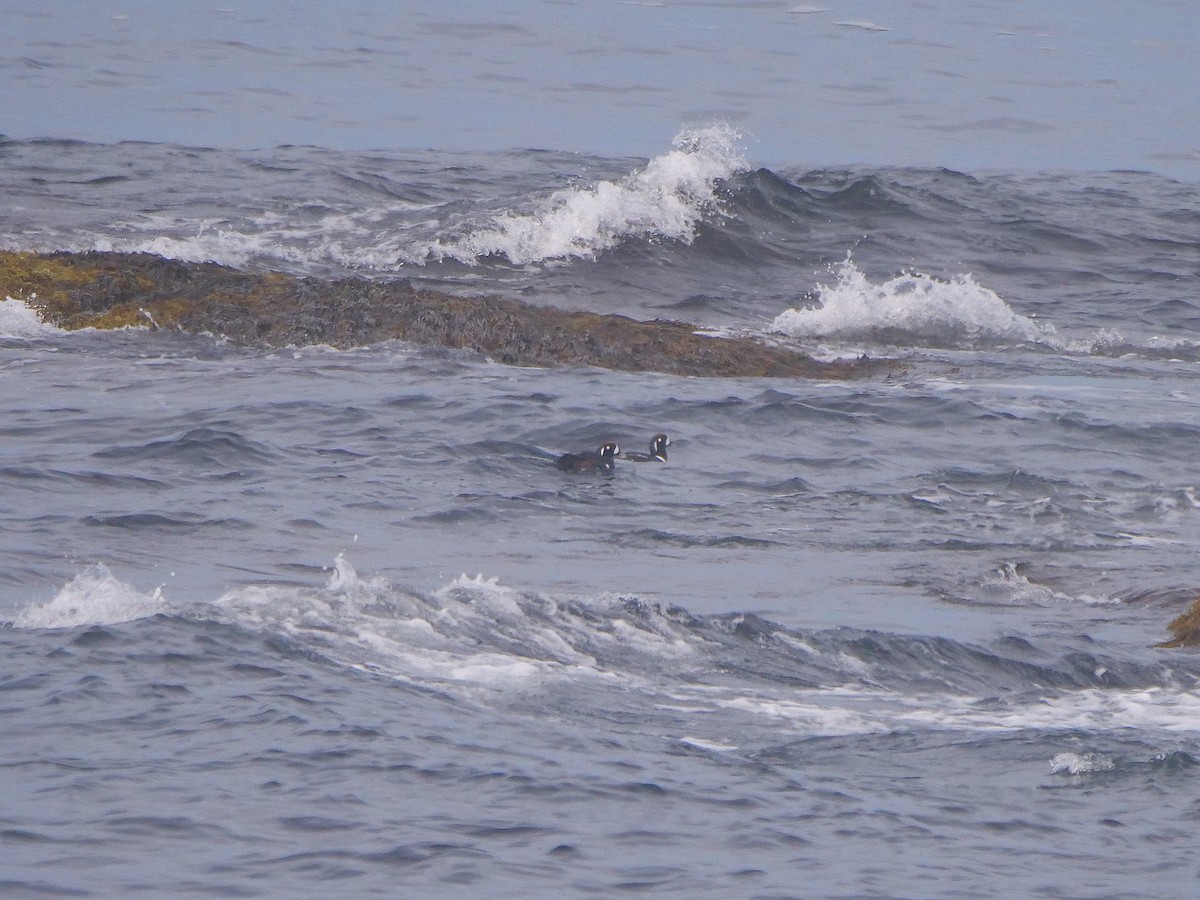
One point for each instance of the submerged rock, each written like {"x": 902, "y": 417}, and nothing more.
{"x": 114, "y": 290}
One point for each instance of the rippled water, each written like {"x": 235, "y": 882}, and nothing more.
{"x": 285, "y": 623}
{"x": 1074, "y": 85}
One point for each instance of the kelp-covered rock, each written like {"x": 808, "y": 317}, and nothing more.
{"x": 112, "y": 290}
{"x": 1185, "y": 628}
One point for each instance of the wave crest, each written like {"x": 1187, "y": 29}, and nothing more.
{"x": 665, "y": 199}
{"x": 93, "y": 597}
{"x": 912, "y": 309}
{"x": 20, "y": 320}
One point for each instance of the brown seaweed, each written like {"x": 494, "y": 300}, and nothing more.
{"x": 1185, "y": 628}
{"x": 114, "y": 290}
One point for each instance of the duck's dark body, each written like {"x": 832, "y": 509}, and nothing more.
{"x": 601, "y": 460}
{"x": 658, "y": 451}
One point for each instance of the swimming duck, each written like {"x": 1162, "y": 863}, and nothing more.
{"x": 601, "y": 460}
{"x": 658, "y": 451}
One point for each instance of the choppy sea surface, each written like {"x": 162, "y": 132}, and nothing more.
{"x": 319, "y": 622}
{"x": 287, "y": 623}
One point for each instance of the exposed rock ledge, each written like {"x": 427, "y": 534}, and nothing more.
{"x": 113, "y": 290}
{"x": 1185, "y": 628}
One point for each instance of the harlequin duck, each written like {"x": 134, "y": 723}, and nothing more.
{"x": 658, "y": 451}
{"x": 600, "y": 461}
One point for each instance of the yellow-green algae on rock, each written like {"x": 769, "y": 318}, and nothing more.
{"x": 114, "y": 290}
{"x": 1185, "y": 628}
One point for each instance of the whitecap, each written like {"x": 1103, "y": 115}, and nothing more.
{"x": 20, "y": 320}
{"x": 847, "y": 711}
{"x": 1007, "y": 584}
{"x": 666, "y": 199}
{"x": 913, "y": 308}
{"x": 1080, "y": 763}
{"x": 474, "y": 633}
{"x": 93, "y": 597}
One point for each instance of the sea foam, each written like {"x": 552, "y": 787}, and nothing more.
{"x": 19, "y": 320}
{"x": 847, "y": 711}
{"x": 912, "y": 309}
{"x": 1071, "y": 763}
{"x": 93, "y": 597}
{"x": 473, "y": 634}
{"x": 666, "y": 199}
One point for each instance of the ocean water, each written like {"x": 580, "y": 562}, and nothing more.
{"x": 306, "y": 621}
{"x": 996, "y": 84}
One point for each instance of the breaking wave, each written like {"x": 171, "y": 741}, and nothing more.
{"x": 19, "y": 320}
{"x": 666, "y": 199}
{"x": 911, "y": 309}
{"x": 93, "y": 597}
{"x": 478, "y": 639}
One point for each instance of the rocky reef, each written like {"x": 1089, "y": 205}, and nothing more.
{"x": 1185, "y": 628}
{"x": 115, "y": 290}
